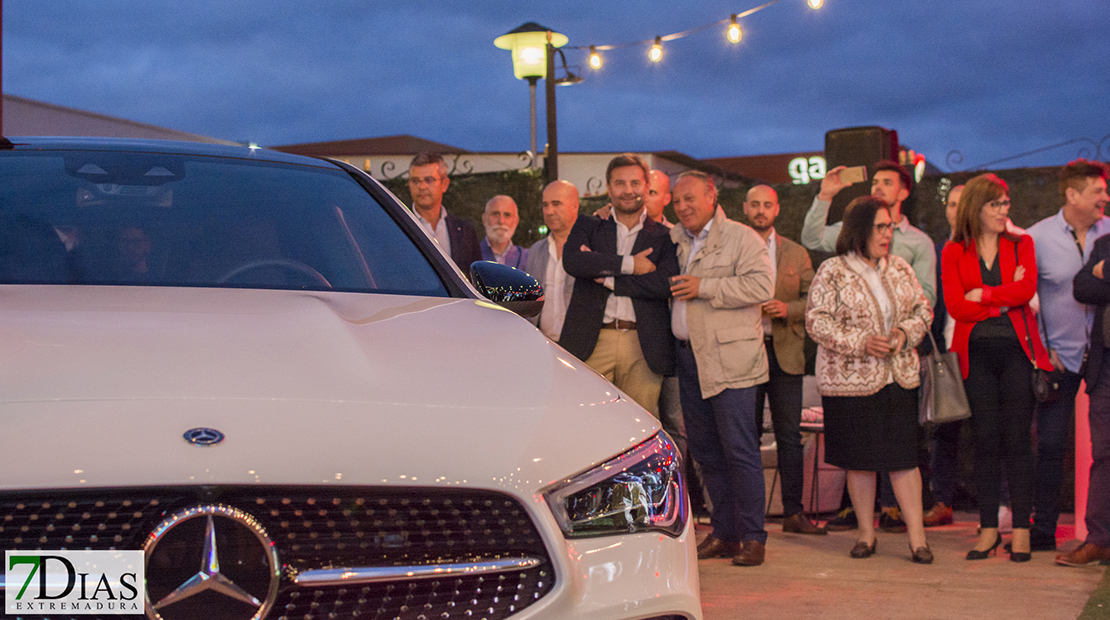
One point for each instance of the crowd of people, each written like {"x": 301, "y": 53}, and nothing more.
{"x": 703, "y": 321}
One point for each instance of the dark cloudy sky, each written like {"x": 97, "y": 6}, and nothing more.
{"x": 987, "y": 78}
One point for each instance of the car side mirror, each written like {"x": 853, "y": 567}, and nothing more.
{"x": 509, "y": 288}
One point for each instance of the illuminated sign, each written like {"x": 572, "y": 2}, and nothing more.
{"x": 803, "y": 170}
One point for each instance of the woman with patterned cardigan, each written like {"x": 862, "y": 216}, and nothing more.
{"x": 867, "y": 312}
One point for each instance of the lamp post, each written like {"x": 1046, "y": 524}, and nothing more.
{"x": 533, "y": 49}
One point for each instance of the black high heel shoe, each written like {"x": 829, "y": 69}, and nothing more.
{"x": 975, "y": 554}
{"x": 1018, "y": 556}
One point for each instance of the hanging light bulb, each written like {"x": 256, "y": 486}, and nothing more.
{"x": 656, "y": 53}
{"x": 815, "y": 4}
{"x": 734, "y": 33}
{"x": 595, "y": 58}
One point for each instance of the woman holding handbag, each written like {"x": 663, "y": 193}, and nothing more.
{"x": 867, "y": 312}
{"x": 989, "y": 277}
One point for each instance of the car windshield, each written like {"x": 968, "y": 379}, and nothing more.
{"x": 127, "y": 218}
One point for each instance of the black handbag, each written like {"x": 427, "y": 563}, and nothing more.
{"x": 1046, "y": 384}
{"x": 942, "y": 397}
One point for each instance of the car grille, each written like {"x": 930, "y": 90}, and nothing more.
{"x": 320, "y": 528}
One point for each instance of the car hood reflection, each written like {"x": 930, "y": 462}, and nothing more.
{"x": 371, "y": 380}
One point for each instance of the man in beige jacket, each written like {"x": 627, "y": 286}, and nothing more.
{"x": 717, "y": 321}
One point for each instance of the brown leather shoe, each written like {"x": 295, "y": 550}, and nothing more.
{"x": 751, "y": 554}
{"x": 800, "y": 524}
{"x": 1084, "y": 555}
{"x": 714, "y": 548}
{"x": 939, "y": 514}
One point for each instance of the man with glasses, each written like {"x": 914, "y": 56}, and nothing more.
{"x": 427, "y": 183}
{"x": 1063, "y": 243}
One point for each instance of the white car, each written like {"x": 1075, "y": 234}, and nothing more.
{"x": 256, "y": 368}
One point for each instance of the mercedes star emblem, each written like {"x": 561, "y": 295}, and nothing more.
{"x": 213, "y": 562}
{"x": 203, "y": 436}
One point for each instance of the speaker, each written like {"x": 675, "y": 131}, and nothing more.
{"x": 857, "y": 146}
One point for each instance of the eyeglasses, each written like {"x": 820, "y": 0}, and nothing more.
{"x": 998, "y": 204}
{"x": 889, "y": 226}
{"x": 423, "y": 181}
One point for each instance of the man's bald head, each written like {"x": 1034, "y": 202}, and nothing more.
{"x": 560, "y": 207}
{"x": 762, "y": 207}
{"x": 658, "y": 194}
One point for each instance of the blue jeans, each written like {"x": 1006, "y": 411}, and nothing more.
{"x": 1053, "y": 421}
{"x": 721, "y": 435}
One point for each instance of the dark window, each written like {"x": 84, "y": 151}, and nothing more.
{"x": 103, "y": 217}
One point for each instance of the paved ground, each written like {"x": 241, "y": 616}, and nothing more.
{"x": 813, "y": 577}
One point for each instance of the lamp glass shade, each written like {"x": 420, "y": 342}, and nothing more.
{"x": 529, "y": 49}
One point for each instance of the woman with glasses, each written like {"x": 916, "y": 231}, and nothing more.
{"x": 867, "y": 312}
{"x": 989, "y": 276}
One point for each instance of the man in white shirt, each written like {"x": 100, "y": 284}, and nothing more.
{"x": 545, "y": 257}
{"x": 618, "y": 319}
{"x": 427, "y": 183}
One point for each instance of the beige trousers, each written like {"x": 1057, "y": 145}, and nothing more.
{"x": 619, "y": 359}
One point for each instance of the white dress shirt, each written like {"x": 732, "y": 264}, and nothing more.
{"x": 679, "y": 327}
{"x": 439, "y": 233}
{"x": 619, "y": 307}
{"x": 772, "y": 247}
{"x": 555, "y": 306}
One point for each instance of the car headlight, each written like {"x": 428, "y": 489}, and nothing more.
{"x": 643, "y": 489}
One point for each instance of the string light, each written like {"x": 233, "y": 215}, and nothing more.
{"x": 734, "y": 33}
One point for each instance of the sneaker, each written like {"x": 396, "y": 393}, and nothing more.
{"x": 890, "y": 520}
{"x": 843, "y": 521}
{"x": 939, "y": 514}
{"x": 1085, "y": 555}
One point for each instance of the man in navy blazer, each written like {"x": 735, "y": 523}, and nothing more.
{"x": 427, "y": 183}
{"x": 618, "y": 320}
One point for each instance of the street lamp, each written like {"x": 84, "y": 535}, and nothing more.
{"x": 531, "y": 60}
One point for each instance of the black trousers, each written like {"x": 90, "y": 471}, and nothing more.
{"x": 1000, "y": 392}
{"x": 784, "y": 390}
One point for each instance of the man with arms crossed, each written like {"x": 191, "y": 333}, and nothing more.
{"x": 618, "y": 319}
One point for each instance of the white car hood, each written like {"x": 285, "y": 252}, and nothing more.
{"x": 98, "y": 384}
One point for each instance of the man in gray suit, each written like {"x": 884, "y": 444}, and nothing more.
{"x": 545, "y": 257}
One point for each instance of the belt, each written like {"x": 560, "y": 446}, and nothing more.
{"x": 620, "y": 326}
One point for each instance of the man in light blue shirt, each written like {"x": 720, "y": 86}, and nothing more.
{"x": 891, "y": 184}
{"x": 1063, "y": 242}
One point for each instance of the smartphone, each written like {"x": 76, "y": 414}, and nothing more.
{"x": 853, "y": 174}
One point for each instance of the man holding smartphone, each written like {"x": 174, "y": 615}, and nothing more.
{"x": 891, "y": 184}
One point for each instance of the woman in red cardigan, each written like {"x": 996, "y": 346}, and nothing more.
{"x": 989, "y": 277}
